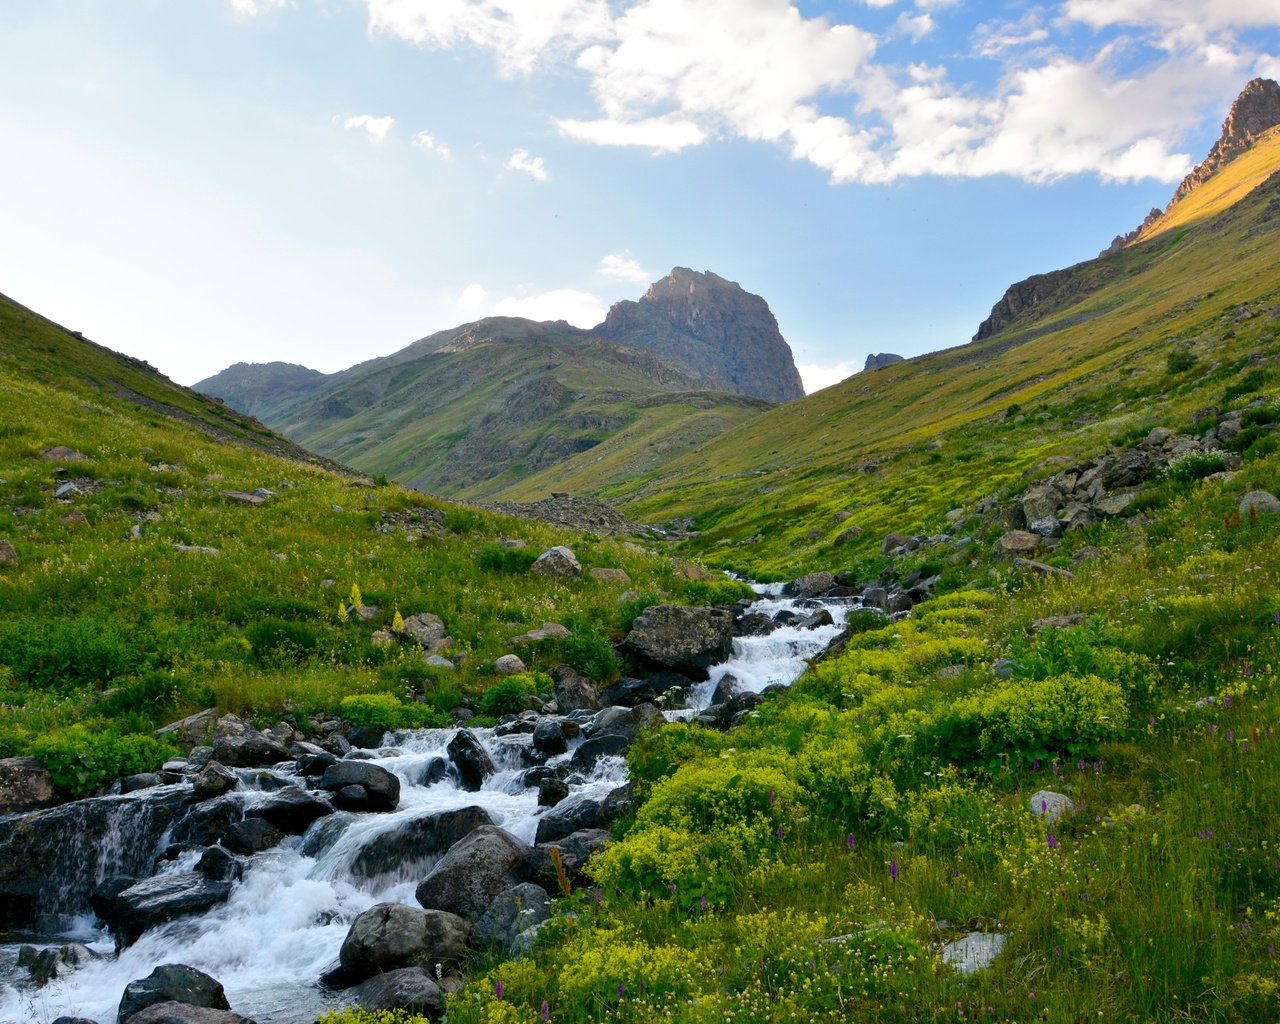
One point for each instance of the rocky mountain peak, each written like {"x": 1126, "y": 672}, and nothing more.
{"x": 1255, "y": 111}
{"x": 714, "y": 330}
{"x": 879, "y": 360}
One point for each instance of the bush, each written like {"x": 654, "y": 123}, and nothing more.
{"x": 629, "y": 611}
{"x": 387, "y": 712}
{"x": 279, "y": 641}
{"x": 82, "y": 760}
{"x": 496, "y": 558}
{"x": 1246, "y": 385}
{"x": 1195, "y": 466}
{"x": 590, "y": 652}
{"x": 1180, "y": 361}
{"x": 712, "y": 592}
{"x": 510, "y": 696}
{"x": 67, "y": 653}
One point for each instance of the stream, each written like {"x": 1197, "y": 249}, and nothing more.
{"x": 285, "y": 920}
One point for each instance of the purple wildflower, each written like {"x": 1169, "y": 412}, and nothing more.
{"x": 893, "y": 870}
{"x": 703, "y": 901}
{"x": 1035, "y": 764}
{"x": 546, "y": 1010}
{"x": 673, "y": 888}
{"x": 1244, "y": 747}
{"x": 1212, "y": 730}
{"x": 620, "y": 990}
{"x": 771, "y": 795}
{"x": 1231, "y": 735}
{"x": 849, "y": 841}
{"x": 1080, "y": 765}
{"x": 779, "y": 833}
{"x": 497, "y": 990}
{"x": 1052, "y": 840}
{"x": 1044, "y": 805}
{"x": 1057, "y": 769}
{"x": 599, "y": 896}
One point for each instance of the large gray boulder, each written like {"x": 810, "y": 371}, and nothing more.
{"x": 417, "y": 840}
{"x": 171, "y": 983}
{"x": 213, "y": 780}
{"x": 685, "y": 640}
{"x": 468, "y": 877}
{"x": 558, "y": 561}
{"x": 291, "y": 810}
{"x": 470, "y": 758}
{"x": 25, "y": 785}
{"x": 1259, "y": 503}
{"x": 252, "y": 749}
{"x": 391, "y": 935}
{"x": 184, "y": 1013}
{"x": 425, "y": 628}
{"x": 380, "y": 787}
{"x": 162, "y": 898}
{"x": 574, "y": 691}
{"x": 409, "y": 988}
{"x": 512, "y": 912}
{"x": 574, "y": 851}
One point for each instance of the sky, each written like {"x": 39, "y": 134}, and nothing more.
{"x": 203, "y": 182}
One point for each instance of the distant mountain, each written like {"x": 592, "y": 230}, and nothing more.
{"x": 713, "y": 330}
{"x": 880, "y": 360}
{"x": 478, "y": 409}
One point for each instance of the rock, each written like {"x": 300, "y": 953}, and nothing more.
{"x": 821, "y": 617}
{"x": 291, "y": 810}
{"x": 8, "y": 555}
{"x": 567, "y": 819}
{"x": 628, "y": 692}
{"x": 512, "y": 911}
{"x": 368, "y": 612}
{"x": 253, "y": 835}
{"x": 1017, "y": 542}
{"x": 574, "y": 851}
{"x": 204, "y": 823}
{"x": 473, "y": 872}
{"x": 176, "y": 983}
{"x": 1046, "y": 526}
{"x": 1086, "y": 554}
{"x": 574, "y": 692}
{"x": 812, "y": 585}
{"x": 416, "y": 841}
{"x": 381, "y": 787}
{"x": 973, "y": 952}
{"x": 604, "y": 575}
{"x": 547, "y": 631}
{"x": 1041, "y": 501}
{"x": 192, "y": 731}
{"x": 893, "y": 542}
{"x": 365, "y": 737}
{"x": 509, "y": 665}
{"x": 551, "y": 792}
{"x": 1050, "y": 806}
{"x": 390, "y": 935}
{"x": 1042, "y": 568}
{"x": 197, "y": 549}
{"x": 311, "y": 766}
{"x": 879, "y": 360}
{"x": 437, "y": 661}
{"x": 73, "y": 1020}
{"x": 754, "y": 624}
{"x": 184, "y": 1013}
{"x": 218, "y": 865}
{"x": 253, "y": 749}
{"x": 244, "y": 498}
{"x": 686, "y": 640}
{"x": 425, "y": 628}
{"x": 61, "y": 453}
{"x": 1004, "y": 668}
{"x": 1115, "y": 503}
{"x": 25, "y": 785}
{"x": 549, "y": 737}
{"x": 1259, "y": 503}
{"x": 1055, "y": 622}
{"x": 558, "y": 561}
{"x": 408, "y": 988}
{"x": 212, "y": 781}
{"x": 162, "y": 898}
{"x": 470, "y": 758}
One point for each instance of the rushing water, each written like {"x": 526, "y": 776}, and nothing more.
{"x": 284, "y": 922}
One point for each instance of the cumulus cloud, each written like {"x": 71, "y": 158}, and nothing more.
{"x": 581, "y": 309}
{"x": 252, "y": 7}
{"x": 622, "y": 266}
{"x": 376, "y": 128}
{"x": 521, "y": 161}
{"x": 667, "y": 75}
{"x": 815, "y": 376}
{"x": 472, "y": 297}
{"x": 427, "y": 141}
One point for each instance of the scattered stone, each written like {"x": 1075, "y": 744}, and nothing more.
{"x": 162, "y": 898}
{"x": 468, "y": 877}
{"x": 244, "y": 498}
{"x": 1259, "y": 502}
{"x": 25, "y": 785}
{"x": 380, "y": 787}
{"x": 508, "y": 665}
{"x": 251, "y": 749}
{"x": 196, "y": 549}
{"x": 1086, "y": 554}
{"x": 549, "y": 737}
{"x": 551, "y": 792}
{"x": 291, "y": 810}
{"x": 1050, "y": 806}
{"x": 184, "y": 1013}
{"x": 1056, "y": 622}
{"x": 426, "y": 629}
{"x": 1046, "y": 526}
{"x": 367, "y": 612}
{"x": 192, "y": 731}
{"x": 547, "y": 631}
{"x": 61, "y": 453}
{"x": 512, "y": 911}
{"x": 212, "y": 781}
{"x": 439, "y": 661}
{"x": 1004, "y": 668}
{"x": 1017, "y": 542}
{"x": 1114, "y": 504}
{"x": 8, "y": 555}
{"x": 574, "y": 851}
{"x": 558, "y": 561}
{"x": 253, "y": 835}
{"x": 893, "y": 542}
{"x": 1042, "y": 568}
{"x": 604, "y": 575}
{"x": 812, "y": 585}
{"x": 974, "y": 952}
{"x": 574, "y": 691}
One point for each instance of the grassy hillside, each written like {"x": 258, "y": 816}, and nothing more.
{"x": 147, "y": 593}
{"x": 1152, "y": 334}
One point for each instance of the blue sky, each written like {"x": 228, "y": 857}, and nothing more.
{"x": 201, "y": 182}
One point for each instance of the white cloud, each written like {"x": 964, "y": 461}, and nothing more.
{"x": 252, "y": 7}
{"x": 375, "y": 127}
{"x": 472, "y": 297}
{"x": 427, "y": 141}
{"x": 661, "y": 134}
{"x": 622, "y": 266}
{"x": 815, "y": 376}
{"x": 916, "y": 26}
{"x": 521, "y": 161}
{"x": 581, "y": 309}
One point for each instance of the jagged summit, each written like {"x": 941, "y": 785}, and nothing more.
{"x": 711, "y": 328}
{"x": 1255, "y": 111}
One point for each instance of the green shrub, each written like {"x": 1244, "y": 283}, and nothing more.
{"x": 510, "y": 696}
{"x": 280, "y": 641}
{"x": 1195, "y": 466}
{"x": 591, "y": 653}
{"x": 658, "y": 753}
{"x": 496, "y": 558}
{"x": 67, "y": 653}
{"x": 82, "y": 760}
{"x": 387, "y": 712}
{"x": 711, "y": 592}
{"x": 1246, "y": 385}
{"x": 1180, "y": 360}
{"x": 629, "y": 611}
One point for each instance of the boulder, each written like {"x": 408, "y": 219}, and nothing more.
{"x": 162, "y": 898}
{"x": 1017, "y": 542}
{"x": 812, "y": 585}
{"x": 470, "y": 758}
{"x": 814, "y": 619}
{"x": 628, "y": 692}
{"x": 685, "y": 640}
{"x": 313, "y": 765}
{"x": 184, "y": 1013}
{"x": 252, "y": 749}
{"x": 567, "y": 819}
{"x": 754, "y": 624}
{"x": 973, "y": 952}
{"x": 380, "y": 787}
{"x": 574, "y": 691}
{"x": 171, "y": 983}
{"x": 1259, "y": 503}
{"x": 1114, "y": 503}
{"x": 425, "y": 628}
{"x": 253, "y": 835}
{"x": 364, "y": 737}
{"x": 893, "y": 542}
{"x": 25, "y": 785}
{"x": 1046, "y": 526}
{"x": 417, "y": 840}
{"x": 408, "y": 988}
{"x": 213, "y": 780}
{"x": 574, "y": 851}
{"x": 468, "y": 877}
{"x": 1041, "y": 501}
{"x": 1041, "y": 568}
{"x": 558, "y": 561}
{"x": 512, "y": 911}
{"x": 291, "y": 810}
{"x": 8, "y": 554}
{"x": 509, "y": 665}
{"x": 218, "y": 865}
{"x": 390, "y": 935}
{"x": 549, "y": 737}
{"x": 618, "y": 576}
{"x": 205, "y": 823}
{"x": 551, "y": 792}
{"x": 547, "y": 631}
{"x": 1049, "y": 806}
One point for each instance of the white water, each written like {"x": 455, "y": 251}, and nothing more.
{"x": 284, "y": 923}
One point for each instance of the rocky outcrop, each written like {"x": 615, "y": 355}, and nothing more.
{"x": 361, "y": 786}
{"x": 390, "y": 935}
{"x": 879, "y": 361}
{"x": 487, "y": 862}
{"x": 25, "y": 785}
{"x": 1255, "y": 111}
{"x": 685, "y": 640}
{"x": 712, "y": 329}
{"x": 417, "y": 840}
{"x": 163, "y": 898}
{"x": 585, "y": 514}
{"x": 175, "y": 983}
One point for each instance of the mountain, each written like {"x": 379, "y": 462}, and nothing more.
{"x": 512, "y": 407}
{"x": 1150, "y": 335}
{"x": 879, "y": 360}
{"x": 713, "y": 330}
